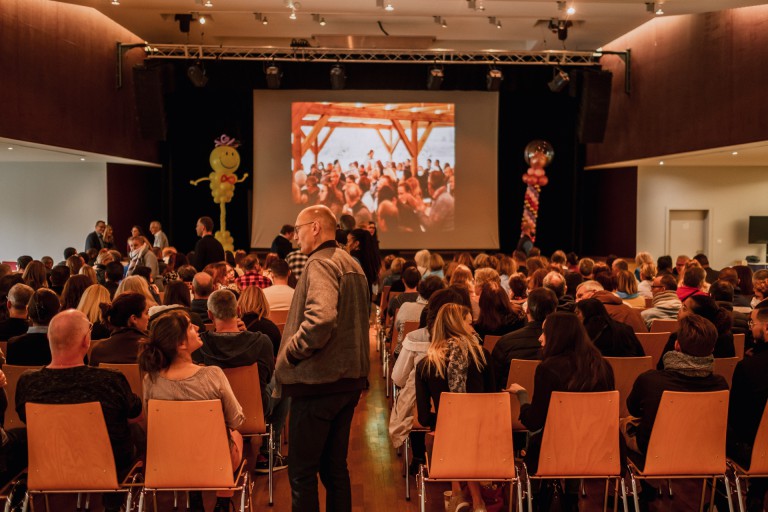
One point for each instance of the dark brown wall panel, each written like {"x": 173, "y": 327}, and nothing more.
{"x": 58, "y": 80}
{"x": 698, "y": 81}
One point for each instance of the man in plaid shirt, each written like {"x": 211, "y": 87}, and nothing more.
{"x": 252, "y": 276}
{"x": 296, "y": 261}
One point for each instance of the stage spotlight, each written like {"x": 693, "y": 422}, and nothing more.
{"x": 559, "y": 81}
{"x": 338, "y": 78}
{"x": 273, "y": 76}
{"x": 196, "y": 75}
{"x": 493, "y": 80}
{"x": 435, "y": 79}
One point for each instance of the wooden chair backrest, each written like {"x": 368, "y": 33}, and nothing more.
{"x": 759, "y": 463}
{"x": 409, "y": 327}
{"x": 521, "y": 371}
{"x": 664, "y": 326}
{"x": 489, "y": 341}
{"x": 161, "y": 296}
{"x": 247, "y": 388}
{"x": 688, "y": 436}
{"x": 384, "y": 300}
{"x": 131, "y": 372}
{"x": 281, "y": 328}
{"x": 625, "y": 372}
{"x": 4, "y": 347}
{"x": 12, "y": 374}
{"x": 725, "y": 366}
{"x": 648, "y": 302}
{"x": 581, "y": 435}
{"x": 187, "y": 445}
{"x": 473, "y": 437}
{"x": 69, "y": 448}
{"x": 738, "y": 344}
{"x": 653, "y": 344}
{"x": 278, "y": 317}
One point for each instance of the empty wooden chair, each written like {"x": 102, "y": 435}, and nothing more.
{"x": 247, "y": 389}
{"x": 758, "y": 465}
{"x": 687, "y": 441}
{"x": 278, "y": 317}
{"x": 653, "y": 344}
{"x": 70, "y": 452}
{"x": 489, "y": 341}
{"x": 131, "y": 372}
{"x": 522, "y": 372}
{"x": 738, "y": 344}
{"x": 625, "y": 372}
{"x": 664, "y": 326}
{"x": 12, "y": 374}
{"x": 725, "y": 366}
{"x": 581, "y": 441}
{"x": 188, "y": 449}
{"x": 473, "y": 442}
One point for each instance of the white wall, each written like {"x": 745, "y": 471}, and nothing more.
{"x": 46, "y": 207}
{"x": 731, "y": 194}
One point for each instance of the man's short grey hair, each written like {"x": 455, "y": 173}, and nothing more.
{"x": 590, "y": 286}
{"x": 555, "y": 282}
{"x": 19, "y": 295}
{"x": 223, "y": 305}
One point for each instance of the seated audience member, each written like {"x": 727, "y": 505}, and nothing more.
{"x": 223, "y": 276}
{"x": 618, "y": 265}
{"x": 66, "y": 380}
{"x": 113, "y": 274}
{"x": 556, "y": 282}
{"x": 722, "y": 292}
{"x": 743, "y": 296}
{"x": 536, "y": 278}
{"x": 570, "y": 363}
{"x": 394, "y": 273}
{"x": 422, "y": 261}
{"x": 680, "y": 264}
{"x": 524, "y": 342}
{"x": 128, "y": 316}
{"x": 7, "y": 282}
{"x": 749, "y": 394}
{"x": 605, "y": 277}
{"x": 647, "y": 274}
{"x": 482, "y": 275}
{"x": 760, "y": 287}
{"x": 22, "y": 262}
{"x": 666, "y": 304}
{"x": 58, "y": 278}
{"x": 411, "y": 279}
{"x": 141, "y": 255}
{"x": 586, "y": 267}
{"x": 90, "y": 304}
{"x": 252, "y": 275}
{"x": 16, "y": 324}
{"x": 436, "y": 264}
{"x": 253, "y": 309}
{"x": 518, "y": 289}
{"x": 507, "y": 268}
{"x": 202, "y": 287}
{"x": 415, "y": 346}
{"x": 498, "y": 316}
{"x": 31, "y": 349}
{"x": 36, "y": 276}
{"x": 687, "y": 368}
{"x": 154, "y": 290}
{"x": 613, "y": 304}
{"x": 73, "y": 291}
{"x": 229, "y": 347}
{"x": 664, "y": 265}
{"x": 412, "y": 311}
{"x": 136, "y": 284}
{"x": 454, "y": 363}
{"x": 612, "y": 338}
{"x": 88, "y": 271}
{"x": 462, "y": 276}
{"x": 176, "y": 296}
{"x": 643, "y": 258}
{"x": 170, "y": 374}
{"x": 741, "y": 299}
{"x": 100, "y": 266}
{"x": 705, "y": 307}
{"x": 704, "y": 262}
{"x": 626, "y": 289}
{"x": 692, "y": 283}
{"x": 399, "y": 284}
{"x": 280, "y": 294}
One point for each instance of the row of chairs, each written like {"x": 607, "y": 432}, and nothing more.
{"x": 473, "y": 442}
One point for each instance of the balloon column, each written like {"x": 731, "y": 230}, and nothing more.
{"x": 224, "y": 161}
{"x": 538, "y": 154}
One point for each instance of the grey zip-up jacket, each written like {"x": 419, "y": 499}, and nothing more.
{"x": 325, "y": 347}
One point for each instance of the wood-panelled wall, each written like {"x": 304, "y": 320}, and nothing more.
{"x": 698, "y": 81}
{"x": 58, "y": 79}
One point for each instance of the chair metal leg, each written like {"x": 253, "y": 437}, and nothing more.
{"x": 422, "y": 490}
{"x": 47, "y": 504}
{"x": 741, "y": 499}
{"x": 87, "y": 501}
{"x": 624, "y": 494}
{"x": 583, "y": 488}
{"x": 154, "y": 501}
{"x": 605, "y": 499}
{"x": 271, "y": 455}
{"x": 530, "y": 493}
{"x": 79, "y": 501}
{"x": 175, "y": 500}
{"x": 406, "y": 472}
{"x": 728, "y": 492}
{"x": 142, "y": 495}
{"x": 634, "y": 493}
{"x": 244, "y": 492}
{"x": 669, "y": 488}
{"x": 703, "y": 494}
{"x": 25, "y": 504}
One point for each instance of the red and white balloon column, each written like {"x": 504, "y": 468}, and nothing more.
{"x": 538, "y": 155}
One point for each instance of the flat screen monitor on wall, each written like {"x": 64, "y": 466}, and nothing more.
{"x": 758, "y": 230}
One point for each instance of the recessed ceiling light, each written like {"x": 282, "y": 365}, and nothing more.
{"x": 389, "y": 7}
{"x": 202, "y": 20}
{"x": 115, "y": 2}
{"x": 82, "y": 159}
{"x": 10, "y": 148}
{"x": 208, "y": 3}
{"x": 735, "y": 153}
{"x": 571, "y": 11}
{"x": 661, "y": 162}
{"x": 659, "y": 12}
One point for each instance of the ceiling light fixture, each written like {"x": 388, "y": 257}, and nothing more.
{"x": 734, "y": 153}
{"x": 292, "y": 15}
{"x": 82, "y": 159}
{"x": 659, "y": 11}
{"x": 115, "y": 2}
{"x": 493, "y": 20}
{"x": 202, "y": 20}
{"x": 318, "y": 19}
{"x": 560, "y": 80}
{"x": 440, "y": 21}
{"x": 435, "y": 79}
{"x": 10, "y": 148}
{"x": 571, "y": 11}
{"x": 493, "y": 80}
{"x": 208, "y": 3}
{"x": 259, "y": 17}
{"x": 661, "y": 162}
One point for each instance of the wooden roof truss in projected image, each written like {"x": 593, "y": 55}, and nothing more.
{"x": 393, "y": 122}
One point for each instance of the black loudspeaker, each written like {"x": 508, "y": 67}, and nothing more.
{"x": 149, "y": 90}
{"x": 593, "y": 106}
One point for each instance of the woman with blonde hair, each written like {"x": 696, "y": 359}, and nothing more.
{"x": 642, "y": 258}
{"x": 454, "y": 363}
{"x": 422, "y": 261}
{"x": 647, "y": 273}
{"x": 90, "y": 304}
{"x": 87, "y": 270}
{"x": 462, "y": 276}
{"x": 436, "y": 265}
{"x": 626, "y": 289}
{"x": 35, "y": 275}
{"x": 253, "y": 309}
{"x": 136, "y": 284}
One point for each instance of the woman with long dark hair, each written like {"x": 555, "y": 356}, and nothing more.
{"x": 128, "y": 316}
{"x": 361, "y": 247}
{"x": 497, "y": 314}
{"x": 612, "y": 338}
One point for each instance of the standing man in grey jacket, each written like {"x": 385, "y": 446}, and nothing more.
{"x": 323, "y": 363}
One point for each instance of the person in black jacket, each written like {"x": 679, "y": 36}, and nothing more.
{"x": 208, "y": 249}
{"x": 32, "y": 349}
{"x": 612, "y": 338}
{"x": 282, "y": 243}
{"x": 128, "y": 316}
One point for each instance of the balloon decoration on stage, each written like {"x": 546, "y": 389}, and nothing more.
{"x": 538, "y": 155}
{"x": 224, "y": 161}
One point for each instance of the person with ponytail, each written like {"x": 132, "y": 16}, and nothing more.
{"x": 128, "y": 317}
{"x": 170, "y": 374}
{"x": 456, "y": 363}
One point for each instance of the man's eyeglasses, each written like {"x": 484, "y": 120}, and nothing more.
{"x": 297, "y": 226}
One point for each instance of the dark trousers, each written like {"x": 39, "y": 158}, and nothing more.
{"x": 319, "y": 427}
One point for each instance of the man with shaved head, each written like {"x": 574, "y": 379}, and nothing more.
{"x": 68, "y": 381}
{"x": 323, "y": 362}
{"x": 202, "y": 288}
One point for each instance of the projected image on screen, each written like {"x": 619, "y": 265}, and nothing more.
{"x": 388, "y": 163}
